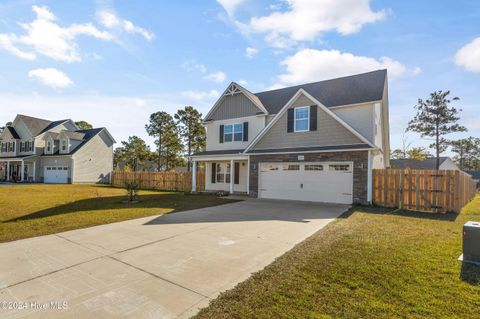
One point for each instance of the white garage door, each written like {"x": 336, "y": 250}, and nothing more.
{"x": 55, "y": 174}
{"x": 330, "y": 182}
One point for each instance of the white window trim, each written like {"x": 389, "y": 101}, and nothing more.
{"x": 67, "y": 140}
{"x": 52, "y": 146}
{"x": 225, "y": 173}
{"x": 295, "y": 119}
{"x": 233, "y": 132}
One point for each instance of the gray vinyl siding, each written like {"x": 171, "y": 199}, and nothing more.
{"x": 329, "y": 132}
{"x": 93, "y": 162}
{"x": 234, "y": 106}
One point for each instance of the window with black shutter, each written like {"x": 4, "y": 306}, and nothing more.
{"x": 214, "y": 172}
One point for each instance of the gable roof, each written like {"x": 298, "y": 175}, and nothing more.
{"x": 235, "y": 88}
{"x": 428, "y": 163}
{"x": 35, "y": 125}
{"x": 87, "y": 136}
{"x": 320, "y": 105}
{"x": 74, "y": 135}
{"x": 52, "y": 125}
{"x": 354, "y": 89}
{"x": 12, "y": 132}
{"x": 474, "y": 174}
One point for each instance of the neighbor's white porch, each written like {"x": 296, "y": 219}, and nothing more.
{"x": 224, "y": 174}
{"x": 18, "y": 170}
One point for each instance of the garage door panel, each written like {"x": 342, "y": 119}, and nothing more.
{"x": 317, "y": 181}
{"x": 55, "y": 174}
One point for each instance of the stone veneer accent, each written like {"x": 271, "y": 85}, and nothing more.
{"x": 360, "y": 168}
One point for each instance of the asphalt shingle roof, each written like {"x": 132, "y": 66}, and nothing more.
{"x": 359, "y": 88}
{"x": 428, "y": 163}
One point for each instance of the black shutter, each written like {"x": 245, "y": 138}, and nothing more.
{"x": 221, "y": 133}
{"x": 313, "y": 118}
{"x": 290, "y": 120}
{"x": 236, "y": 179}
{"x": 245, "y": 131}
{"x": 214, "y": 172}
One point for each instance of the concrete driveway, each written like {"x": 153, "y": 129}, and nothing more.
{"x": 155, "y": 267}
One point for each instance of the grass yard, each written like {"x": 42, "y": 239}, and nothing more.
{"x": 39, "y": 209}
{"x": 373, "y": 263}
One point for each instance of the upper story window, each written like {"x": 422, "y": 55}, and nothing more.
{"x": 233, "y": 132}
{"x": 49, "y": 146}
{"x": 11, "y": 146}
{"x": 64, "y": 145}
{"x": 302, "y": 116}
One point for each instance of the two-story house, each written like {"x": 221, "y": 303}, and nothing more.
{"x": 38, "y": 150}
{"x": 312, "y": 142}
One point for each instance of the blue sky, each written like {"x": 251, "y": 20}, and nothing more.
{"x": 113, "y": 63}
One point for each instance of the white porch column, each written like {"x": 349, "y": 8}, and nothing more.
{"x": 8, "y": 171}
{"x": 232, "y": 177}
{"x": 34, "y": 171}
{"x": 248, "y": 175}
{"x": 194, "y": 176}
{"x": 369, "y": 178}
{"x": 22, "y": 173}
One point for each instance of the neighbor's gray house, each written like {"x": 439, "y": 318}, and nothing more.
{"x": 312, "y": 142}
{"x": 428, "y": 163}
{"x": 38, "y": 150}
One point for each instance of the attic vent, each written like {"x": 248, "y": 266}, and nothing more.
{"x": 232, "y": 89}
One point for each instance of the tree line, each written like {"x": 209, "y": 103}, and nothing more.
{"x": 176, "y": 138}
{"x": 435, "y": 118}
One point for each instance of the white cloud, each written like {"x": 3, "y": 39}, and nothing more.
{"x": 201, "y": 96}
{"x": 193, "y": 65}
{"x": 51, "y": 77}
{"x": 6, "y": 43}
{"x": 242, "y": 82}
{"x": 304, "y": 20}
{"x": 309, "y": 65}
{"x": 250, "y": 52}
{"x": 46, "y": 37}
{"x": 111, "y": 21}
{"x": 469, "y": 56}
{"x": 230, "y": 5}
{"x": 218, "y": 77}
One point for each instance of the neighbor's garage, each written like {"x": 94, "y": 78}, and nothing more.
{"x": 330, "y": 182}
{"x": 55, "y": 174}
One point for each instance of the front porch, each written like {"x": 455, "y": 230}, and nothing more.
{"x": 223, "y": 174}
{"x": 18, "y": 170}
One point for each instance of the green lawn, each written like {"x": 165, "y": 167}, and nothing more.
{"x": 33, "y": 210}
{"x": 373, "y": 263}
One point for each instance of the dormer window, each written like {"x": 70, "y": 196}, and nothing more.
{"x": 302, "y": 116}
{"x": 49, "y": 146}
{"x": 64, "y": 145}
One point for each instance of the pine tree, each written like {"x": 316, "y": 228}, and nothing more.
{"x": 191, "y": 130}
{"x": 435, "y": 118}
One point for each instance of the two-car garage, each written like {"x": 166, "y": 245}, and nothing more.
{"x": 330, "y": 182}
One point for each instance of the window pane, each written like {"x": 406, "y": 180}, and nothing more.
{"x": 301, "y": 125}
{"x": 291, "y": 167}
{"x": 238, "y": 137}
{"x": 228, "y": 129}
{"x": 339, "y": 167}
{"x": 313, "y": 167}
{"x": 238, "y": 128}
{"x": 228, "y": 137}
{"x": 219, "y": 168}
{"x": 301, "y": 113}
{"x": 220, "y": 178}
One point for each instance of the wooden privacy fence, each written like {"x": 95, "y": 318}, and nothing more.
{"x": 422, "y": 190}
{"x": 169, "y": 181}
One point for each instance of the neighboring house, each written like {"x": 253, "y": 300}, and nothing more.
{"x": 428, "y": 163}
{"x": 475, "y": 176}
{"x": 37, "y": 150}
{"x": 312, "y": 142}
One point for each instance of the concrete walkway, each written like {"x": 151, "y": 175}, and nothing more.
{"x": 154, "y": 267}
